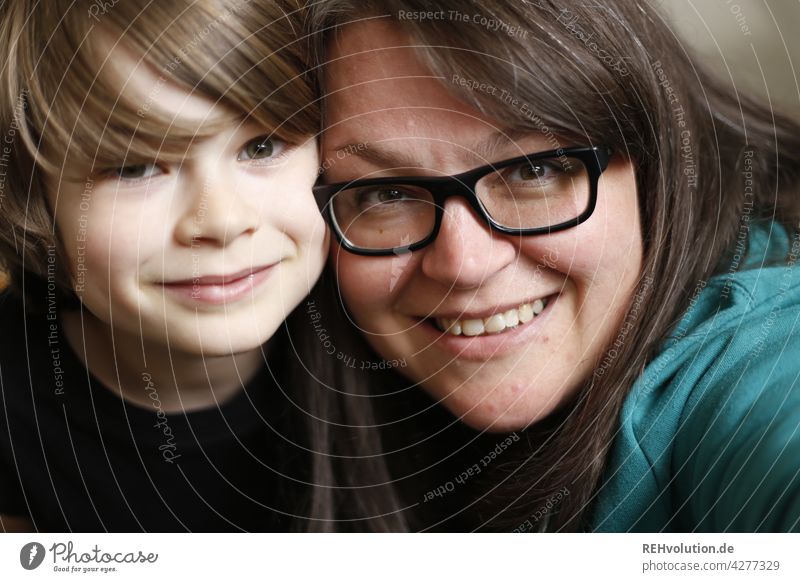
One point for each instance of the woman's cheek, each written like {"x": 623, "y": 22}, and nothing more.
{"x": 365, "y": 283}
{"x": 357, "y": 282}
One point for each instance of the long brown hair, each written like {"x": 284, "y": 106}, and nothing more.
{"x": 610, "y": 73}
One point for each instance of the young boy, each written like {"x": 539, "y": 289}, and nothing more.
{"x": 158, "y": 226}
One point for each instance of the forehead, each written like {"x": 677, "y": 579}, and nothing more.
{"x": 378, "y": 92}
{"x": 373, "y": 73}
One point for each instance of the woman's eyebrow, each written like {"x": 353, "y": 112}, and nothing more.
{"x": 485, "y": 150}
{"x": 506, "y": 141}
{"x": 377, "y": 155}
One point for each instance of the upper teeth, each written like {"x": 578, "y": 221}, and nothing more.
{"x": 494, "y": 323}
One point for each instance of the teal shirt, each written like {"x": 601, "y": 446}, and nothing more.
{"x": 709, "y": 436}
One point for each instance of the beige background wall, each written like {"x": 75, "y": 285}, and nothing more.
{"x": 755, "y": 44}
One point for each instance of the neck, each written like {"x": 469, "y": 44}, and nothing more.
{"x": 136, "y": 369}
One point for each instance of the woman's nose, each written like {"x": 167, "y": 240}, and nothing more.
{"x": 466, "y": 252}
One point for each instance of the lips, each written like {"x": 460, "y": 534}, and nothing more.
{"x": 486, "y": 346}
{"x": 219, "y": 279}
{"x": 214, "y": 290}
{"x": 482, "y": 347}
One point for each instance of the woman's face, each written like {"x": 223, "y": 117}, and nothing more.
{"x": 387, "y": 115}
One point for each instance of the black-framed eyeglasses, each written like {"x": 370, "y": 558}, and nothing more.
{"x": 537, "y": 193}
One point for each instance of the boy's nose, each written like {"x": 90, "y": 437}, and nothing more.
{"x": 466, "y": 252}
{"x": 215, "y": 212}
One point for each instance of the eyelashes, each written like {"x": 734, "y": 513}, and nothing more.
{"x": 136, "y": 172}
{"x": 264, "y": 150}
{"x": 263, "y": 147}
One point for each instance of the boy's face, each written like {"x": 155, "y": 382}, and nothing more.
{"x": 209, "y": 255}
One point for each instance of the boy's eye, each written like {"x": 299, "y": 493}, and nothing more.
{"x": 137, "y": 171}
{"x": 261, "y": 148}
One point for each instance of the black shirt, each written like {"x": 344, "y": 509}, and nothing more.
{"x": 76, "y": 457}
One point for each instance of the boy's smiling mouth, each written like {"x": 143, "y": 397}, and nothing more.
{"x": 220, "y": 279}
{"x": 220, "y": 289}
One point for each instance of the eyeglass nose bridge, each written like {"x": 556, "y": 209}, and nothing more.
{"x": 461, "y": 186}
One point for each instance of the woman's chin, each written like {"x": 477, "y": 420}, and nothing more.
{"x": 487, "y": 417}
{"x": 509, "y": 407}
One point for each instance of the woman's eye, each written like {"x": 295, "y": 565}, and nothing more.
{"x": 261, "y": 148}
{"x": 531, "y": 171}
{"x": 137, "y": 171}
{"x": 374, "y": 196}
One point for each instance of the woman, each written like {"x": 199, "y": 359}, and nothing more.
{"x": 564, "y": 232}
{"x": 146, "y": 383}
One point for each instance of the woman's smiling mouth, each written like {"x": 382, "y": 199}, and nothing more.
{"x": 496, "y": 323}
{"x": 479, "y": 337}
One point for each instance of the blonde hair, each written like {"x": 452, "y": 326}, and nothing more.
{"x": 58, "y": 100}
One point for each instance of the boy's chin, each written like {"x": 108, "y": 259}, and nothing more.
{"x": 221, "y": 344}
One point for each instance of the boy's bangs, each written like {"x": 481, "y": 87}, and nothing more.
{"x": 242, "y": 58}
{"x": 89, "y": 132}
